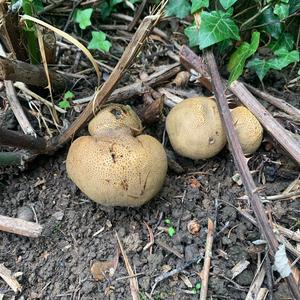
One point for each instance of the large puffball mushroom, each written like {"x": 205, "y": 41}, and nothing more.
{"x": 195, "y": 128}
{"x": 249, "y": 130}
{"x": 112, "y": 166}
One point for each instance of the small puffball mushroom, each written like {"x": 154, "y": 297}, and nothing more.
{"x": 195, "y": 128}
{"x": 249, "y": 130}
{"x": 112, "y": 166}
{"x": 113, "y": 116}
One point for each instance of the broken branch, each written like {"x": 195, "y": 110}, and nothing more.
{"x": 15, "y": 139}
{"x": 19, "y": 226}
{"x": 207, "y": 259}
{"x": 16, "y": 70}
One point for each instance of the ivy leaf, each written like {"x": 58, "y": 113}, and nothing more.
{"x": 224, "y": 45}
{"x": 286, "y": 40}
{"x": 105, "y": 10}
{"x": 68, "y": 95}
{"x": 83, "y": 17}
{"x": 198, "y": 4}
{"x": 294, "y": 6}
{"x": 227, "y": 3}
{"x": 261, "y": 67}
{"x": 272, "y": 23}
{"x": 281, "y": 10}
{"x": 115, "y": 2}
{"x": 64, "y": 104}
{"x": 171, "y": 231}
{"x": 238, "y": 58}
{"x": 216, "y": 26}
{"x": 192, "y": 32}
{"x": 99, "y": 41}
{"x": 284, "y": 58}
{"x": 38, "y": 5}
{"x": 178, "y": 8}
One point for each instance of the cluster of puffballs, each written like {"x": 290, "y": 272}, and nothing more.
{"x": 117, "y": 165}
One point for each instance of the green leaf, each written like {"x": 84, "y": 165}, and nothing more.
{"x": 99, "y": 41}
{"x": 238, "y": 58}
{"x": 260, "y": 66}
{"x": 168, "y": 221}
{"x": 294, "y": 6}
{"x": 198, "y": 286}
{"x": 37, "y": 5}
{"x": 281, "y": 10}
{"x": 299, "y": 72}
{"x": 286, "y": 40}
{"x": 83, "y": 17}
{"x": 115, "y": 2}
{"x": 105, "y": 9}
{"x": 192, "y": 32}
{"x": 284, "y": 58}
{"x": 271, "y": 22}
{"x": 64, "y": 104}
{"x": 171, "y": 231}
{"x": 68, "y": 95}
{"x": 216, "y": 26}
{"x": 224, "y": 45}
{"x": 178, "y": 8}
{"x": 227, "y": 3}
{"x": 198, "y": 4}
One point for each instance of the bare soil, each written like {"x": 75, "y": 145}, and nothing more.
{"x": 57, "y": 265}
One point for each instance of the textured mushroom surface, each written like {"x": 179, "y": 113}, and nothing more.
{"x": 195, "y": 128}
{"x": 248, "y": 128}
{"x": 114, "y": 168}
{"x": 114, "y": 116}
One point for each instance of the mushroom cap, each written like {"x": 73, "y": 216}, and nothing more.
{"x": 115, "y": 116}
{"x": 195, "y": 128}
{"x": 117, "y": 169}
{"x": 249, "y": 130}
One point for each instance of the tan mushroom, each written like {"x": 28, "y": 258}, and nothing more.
{"x": 114, "y": 168}
{"x": 195, "y": 128}
{"x": 249, "y": 130}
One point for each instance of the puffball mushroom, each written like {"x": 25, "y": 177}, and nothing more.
{"x": 195, "y": 128}
{"x": 112, "y": 166}
{"x": 249, "y": 130}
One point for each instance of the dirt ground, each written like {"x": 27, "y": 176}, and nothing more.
{"x": 78, "y": 232}
{"x": 57, "y": 265}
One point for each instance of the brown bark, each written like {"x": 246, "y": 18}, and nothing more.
{"x": 31, "y": 74}
{"x": 15, "y": 139}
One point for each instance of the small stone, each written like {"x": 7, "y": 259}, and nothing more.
{"x": 58, "y": 215}
{"x": 25, "y": 213}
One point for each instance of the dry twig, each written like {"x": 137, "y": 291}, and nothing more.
{"x": 134, "y": 287}
{"x": 5, "y": 274}
{"x": 19, "y": 226}
{"x": 207, "y": 259}
{"x": 277, "y": 102}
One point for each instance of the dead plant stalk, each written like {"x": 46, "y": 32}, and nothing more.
{"x": 242, "y": 166}
{"x": 207, "y": 259}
